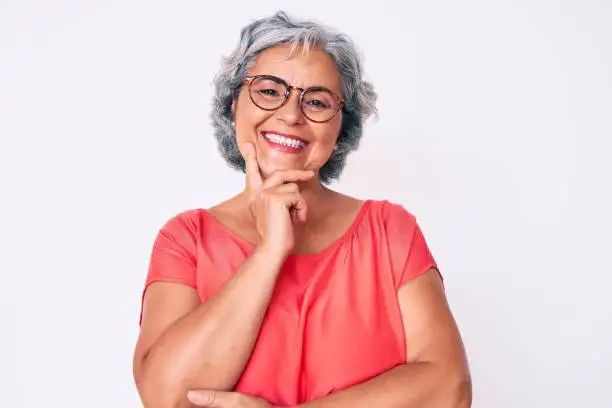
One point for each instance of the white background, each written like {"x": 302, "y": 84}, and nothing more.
{"x": 495, "y": 130}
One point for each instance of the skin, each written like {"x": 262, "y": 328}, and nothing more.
{"x": 313, "y": 69}
{"x": 192, "y": 354}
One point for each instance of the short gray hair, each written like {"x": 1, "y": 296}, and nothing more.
{"x": 282, "y": 29}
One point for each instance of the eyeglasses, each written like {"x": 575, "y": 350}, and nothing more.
{"x": 318, "y": 104}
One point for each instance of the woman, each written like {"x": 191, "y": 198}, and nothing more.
{"x": 291, "y": 293}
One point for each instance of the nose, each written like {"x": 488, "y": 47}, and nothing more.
{"x": 291, "y": 111}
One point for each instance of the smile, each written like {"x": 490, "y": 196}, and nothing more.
{"x": 285, "y": 140}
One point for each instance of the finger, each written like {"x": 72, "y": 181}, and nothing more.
{"x": 296, "y": 205}
{"x": 285, "y": 188}
{"x": 212, "y": 399}
{"x": 295, "y": 217}
{"x": 253, "y": 176}
{"x": 300, "y": 208}
{"x": 285, "y": 176}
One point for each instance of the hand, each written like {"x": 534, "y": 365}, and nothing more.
{"x": 221, "y": 399}
{"x": 275, "y": 203}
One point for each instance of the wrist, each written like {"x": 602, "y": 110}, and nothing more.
{"x": 270, "y": 256}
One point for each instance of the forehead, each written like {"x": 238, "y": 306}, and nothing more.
{"x": 301, "y": 69}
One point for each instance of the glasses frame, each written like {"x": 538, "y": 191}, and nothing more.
{"x": 340, "y": 102}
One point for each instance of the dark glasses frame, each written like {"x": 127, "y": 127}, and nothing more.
{"x": 339, "y": 101}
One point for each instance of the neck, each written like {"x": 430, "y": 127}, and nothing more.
{"x": 316, "y": 196}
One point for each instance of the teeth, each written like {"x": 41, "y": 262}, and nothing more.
{"x": 285, "y": 141}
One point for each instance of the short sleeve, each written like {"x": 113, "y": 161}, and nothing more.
{"x": 173, "y": 257}
{"x": 419, "y": 259}
{"x": 408, "y": 248}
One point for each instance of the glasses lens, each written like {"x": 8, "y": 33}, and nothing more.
{"x": 319, "y": 105}
{"x": 267, "y": 93}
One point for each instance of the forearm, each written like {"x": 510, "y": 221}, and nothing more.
{"x": 209, "y": 347}
{"x": 415, "y": 385}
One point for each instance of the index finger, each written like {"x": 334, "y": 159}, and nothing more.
{"x": 287, "y": 176}
{"x": 253, "y": 176}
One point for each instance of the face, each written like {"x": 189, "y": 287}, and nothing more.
{"x": 285, "y": 138}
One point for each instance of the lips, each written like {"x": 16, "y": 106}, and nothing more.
{"x": 284, "y": 140}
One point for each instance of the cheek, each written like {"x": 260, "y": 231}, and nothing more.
{"x": 246, "y": 118}
{"x": 327, "y": 135}
{"x": 326, "y": 141}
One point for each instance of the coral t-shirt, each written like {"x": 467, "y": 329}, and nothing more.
{"x": 333, "y": 320}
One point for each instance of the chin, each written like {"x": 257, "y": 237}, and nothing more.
{"x": 268, "y": 169}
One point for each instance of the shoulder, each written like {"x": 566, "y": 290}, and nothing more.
{"x": 394, "y": 217}
{"x": 384, "y": 212}
{"x": 404, "y": 241}
{"x": 202, "y": 228}
{"x": 397, "y": 226}
{"x": 185, "y": 224}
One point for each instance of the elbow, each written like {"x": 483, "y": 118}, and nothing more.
{"x": 459, "y": 391}
{"x": 166, "y": 385}
{"x": 162, "y": 392}
{"x": 160, "y": 388}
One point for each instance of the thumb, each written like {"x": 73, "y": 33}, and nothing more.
{"x": 253, "y": 176}
{"x": 206, "y": 398}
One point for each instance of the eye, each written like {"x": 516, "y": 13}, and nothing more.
{"x": 318, "y": 100}
{"x": 268, "y": 92}
{"x": 267, "y": 89}
{"x": 318, "y": 104}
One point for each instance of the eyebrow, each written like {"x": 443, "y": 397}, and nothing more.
{"x": 308, "y": 87}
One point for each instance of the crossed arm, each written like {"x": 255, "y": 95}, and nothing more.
{"x": 436, "y": 374}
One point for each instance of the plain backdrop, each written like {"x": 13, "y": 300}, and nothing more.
{"x": 495, "y": 131}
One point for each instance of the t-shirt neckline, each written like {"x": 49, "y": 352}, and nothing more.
{"x": 314, "y": 255}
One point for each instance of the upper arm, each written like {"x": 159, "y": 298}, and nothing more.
{"x": 430, "y": 328}
{"x": 164, "y": 303}
{"x": 170, "y": 288}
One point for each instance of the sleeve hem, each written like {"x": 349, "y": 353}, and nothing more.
{"x": 425, "y": 269}
{"x": 161, "y": 279}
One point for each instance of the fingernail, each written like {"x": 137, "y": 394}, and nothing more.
{"x": 199, "y": 397}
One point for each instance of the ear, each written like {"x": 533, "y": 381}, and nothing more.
{"x": 233, "y": 109}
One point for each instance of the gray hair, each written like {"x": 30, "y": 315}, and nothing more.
{"x": 282, "y": 29}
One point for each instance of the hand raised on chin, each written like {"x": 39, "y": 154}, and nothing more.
{"x": 275, "y": 203}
